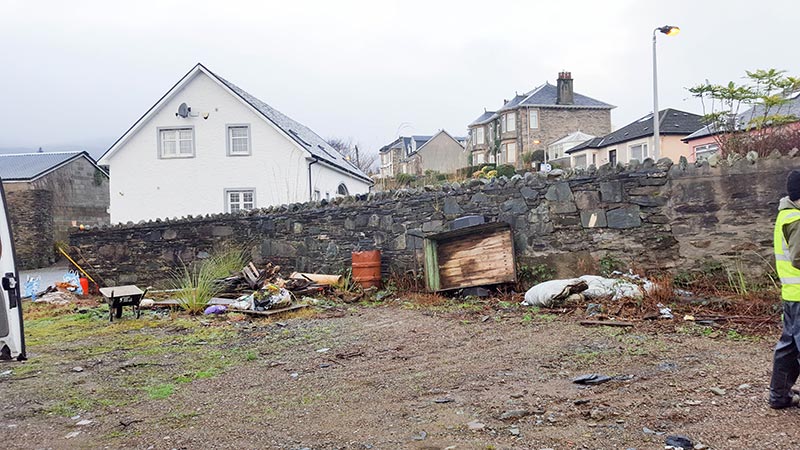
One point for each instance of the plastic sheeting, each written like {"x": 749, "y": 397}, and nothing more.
{"x": 553, "y": 292}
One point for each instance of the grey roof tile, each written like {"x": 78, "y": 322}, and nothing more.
{"x": 303, "y": 135}
{"x": 486, "y": 117}
{"x": 546, "y": 96}
{"x": 29, "y": 166}
{"x": 672, "y": 121}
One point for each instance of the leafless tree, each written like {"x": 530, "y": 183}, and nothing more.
{"x": 364, "y": 160}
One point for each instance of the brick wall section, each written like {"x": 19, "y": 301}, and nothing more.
{"x": 31, "y": 217}
{"x": 652, "y": 216}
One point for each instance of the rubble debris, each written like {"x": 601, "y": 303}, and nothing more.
{"x": 57, "y": 298}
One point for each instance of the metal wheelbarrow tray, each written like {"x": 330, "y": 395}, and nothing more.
{"x": 119, "y": 296}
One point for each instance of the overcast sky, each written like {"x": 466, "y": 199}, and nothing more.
{"x": 79, "y": 73}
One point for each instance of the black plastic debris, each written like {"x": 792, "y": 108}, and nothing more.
{"x": 596, "y": 378}
{"x": 679, "y": 442}
{"x": 592, "y": 378}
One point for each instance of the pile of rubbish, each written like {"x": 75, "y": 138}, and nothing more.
{"x": 255, "y": 290}
{"x": 555, "y": 292}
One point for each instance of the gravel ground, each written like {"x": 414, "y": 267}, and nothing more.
{"x": 389, "y": 377}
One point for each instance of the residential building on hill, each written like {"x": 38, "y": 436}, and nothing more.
{"x": 705, "y": 141}
{"x": 415, "y": 155}
{"x": 208, "y": 146}
{"x": 534, "y": 120}
{"x": 635, "y": 140}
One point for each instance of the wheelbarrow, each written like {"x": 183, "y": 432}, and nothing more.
{"x": 119, "y": 296}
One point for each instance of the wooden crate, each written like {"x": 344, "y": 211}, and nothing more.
{"x": 480, "y": 255}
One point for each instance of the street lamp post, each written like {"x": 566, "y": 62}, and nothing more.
{"x": 669, "y": 30}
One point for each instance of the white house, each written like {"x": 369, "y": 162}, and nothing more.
{"x": 207, "y": 146}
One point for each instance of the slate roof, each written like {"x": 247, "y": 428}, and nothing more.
{"x": 543, "y": 96}
{"x": 671, "y": 121}
{"x": 486, "y": 117}
{"x": 301, "y": 134}
{"x": 30, "y": 166}
{"x": 792, "y": 108}
{"x": 546, "y": 96}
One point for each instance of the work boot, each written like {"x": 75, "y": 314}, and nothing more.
{"x": 793, "y": 403}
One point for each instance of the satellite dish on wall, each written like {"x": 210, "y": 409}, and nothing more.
{"x": 183, "y": 110}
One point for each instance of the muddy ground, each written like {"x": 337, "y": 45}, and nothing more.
{"x": 385, "y": 377}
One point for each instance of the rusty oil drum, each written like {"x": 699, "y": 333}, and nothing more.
{"x": 367, "y": 268}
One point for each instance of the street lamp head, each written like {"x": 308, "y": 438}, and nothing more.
{"x": 669, "y": 30}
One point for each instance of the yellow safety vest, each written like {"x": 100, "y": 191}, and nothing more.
{"x": 789, "y": 275}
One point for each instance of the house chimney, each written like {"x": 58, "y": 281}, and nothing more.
{"x": 564, "y": 88}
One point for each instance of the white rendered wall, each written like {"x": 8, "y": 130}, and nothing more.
{"x": 143, "y": 186}
{"x": 327, "y": 180}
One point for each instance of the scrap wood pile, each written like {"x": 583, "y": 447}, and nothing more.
{"x": 255, "y": 290}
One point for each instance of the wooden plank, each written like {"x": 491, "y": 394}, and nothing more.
{"x": 474, "y": 281}
{"x": 606, "y": 323}
{"x": 269, "y": 312}
{"x": 432, "y": 281}
{"x": 484, "y": 261}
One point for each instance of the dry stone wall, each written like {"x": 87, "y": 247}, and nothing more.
{"x": 31, "y": 216}
{"x": 652, "y": 216}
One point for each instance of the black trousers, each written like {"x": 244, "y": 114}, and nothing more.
{"x": 786, "y": 364}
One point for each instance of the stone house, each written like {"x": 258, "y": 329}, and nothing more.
{"x": 207, "y": 146}
{"x": 534, "y": 120}
{"x": 635, "y": 141}
{"x": 415, "y": 155}
{"x": 49, "y": 195}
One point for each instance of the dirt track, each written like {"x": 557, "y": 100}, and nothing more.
{"x": 399, "y": 378}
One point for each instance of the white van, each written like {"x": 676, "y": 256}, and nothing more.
{"x": 12, "y": 339}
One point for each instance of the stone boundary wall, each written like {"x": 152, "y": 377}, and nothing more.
{"x": 31, "y": 214}
{"x": 652, "y": 216}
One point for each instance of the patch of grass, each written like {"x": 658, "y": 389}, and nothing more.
{"x": 196, "y": 283}
{"x": 610, "y": 264}
{"x": 160, "y": 391}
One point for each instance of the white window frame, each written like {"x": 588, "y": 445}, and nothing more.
{"x": 579, "y": 161}
{"x": 643, "y": 151}
{"x": 240, "y": 203}
{"x": 230, "y": 138}
{"x": 317, "y": 195}
{"x": 705, "y": 150}
{"x": 479, "y": 159}
{"x": 479, "y": 136}
{"x": 511, "y": 121}
{"x": 511, "y": 153}
{"x": 161, "y": 134}
{"x": 533, "y": 119}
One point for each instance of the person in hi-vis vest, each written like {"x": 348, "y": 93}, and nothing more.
{"x": 786, "y": 365}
